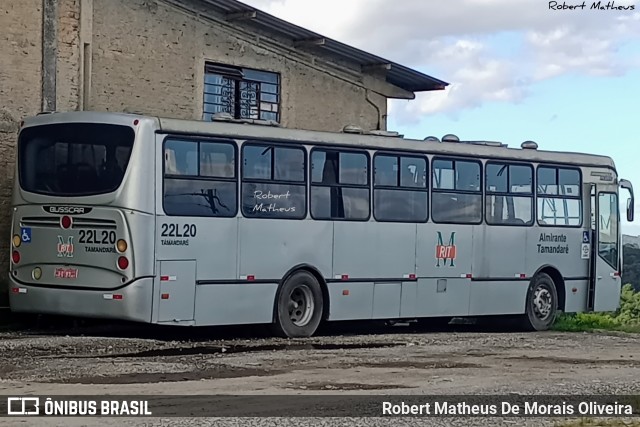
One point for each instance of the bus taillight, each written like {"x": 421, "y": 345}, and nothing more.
{"x": 15, "y": 257}
{"x": 16, "y": 241}
{"x": 123, "y": 263}
{"x": 66, "y": 222}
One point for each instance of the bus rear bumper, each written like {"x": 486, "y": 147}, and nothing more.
{"x": 133, "y": 302}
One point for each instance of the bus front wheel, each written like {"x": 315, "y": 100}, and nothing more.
{"x": 298, "y": 306}
{"x": 541, "y": 303}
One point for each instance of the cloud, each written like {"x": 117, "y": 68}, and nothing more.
{"x": 489, "y": 50}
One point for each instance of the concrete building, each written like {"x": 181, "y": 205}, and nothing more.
{"x": 184, "y": 59}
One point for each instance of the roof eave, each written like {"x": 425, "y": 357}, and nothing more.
{"x": 397, "y": 74}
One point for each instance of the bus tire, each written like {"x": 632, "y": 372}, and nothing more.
{"x": 298, "y": 310}
{"x": 541, "y": 303}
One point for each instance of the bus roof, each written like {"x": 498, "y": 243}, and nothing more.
{"x": 366, "y": 141}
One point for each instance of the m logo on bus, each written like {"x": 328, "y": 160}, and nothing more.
{"x": 446, "y": 252}
{"x": 65, "y": 250}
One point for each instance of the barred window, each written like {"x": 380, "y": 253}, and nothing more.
{"x": 244, "y": 93}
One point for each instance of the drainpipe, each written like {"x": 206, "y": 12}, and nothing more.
{"x": 49, "y": 53}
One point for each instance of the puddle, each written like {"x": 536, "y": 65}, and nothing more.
{"x": 416, "y": 364}
{"x": 200, "y": 350}
{"x": 575, "y": 361}
{"x": 345, "y": 386}
{"x": 219, "y": 372}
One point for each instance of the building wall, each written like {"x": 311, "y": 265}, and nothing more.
{"x": 20, "y": 96}
{"x": 148, "y": 56}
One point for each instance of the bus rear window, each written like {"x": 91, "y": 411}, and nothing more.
{"x": 74, "y": 159}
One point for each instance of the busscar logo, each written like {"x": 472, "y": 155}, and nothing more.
{"x": 446, "y": 252}
{"x": 65, "y": 250}
{"x": 23, "y": 406}
{"x": 67, "y": 210}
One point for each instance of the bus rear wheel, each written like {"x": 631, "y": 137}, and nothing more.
{"x": 541, "y": 303}
{"x": 298, "y": 306}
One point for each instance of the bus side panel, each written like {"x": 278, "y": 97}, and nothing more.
{"x": 135, "y": 303}
{"x": 559, "y": 247}
{"x": 354, "y": 249}
{"x": 351, "y": 301}
{"x": 235, "y": 304}
{"x": 576, "y": 292}
{"x": 395, "y": 250}
{"x": 270, "y": 248}
{"x": 498, "y": 297}
{"x": 442, "y": 297}
{"x": 502, "y": 253}
{"x": 210, "y": 241}
{"x": 354, "y": 255}
{"x": 367, "y": 250}
{"x": 444, "y": 255}
{"x": 496, "y": 267}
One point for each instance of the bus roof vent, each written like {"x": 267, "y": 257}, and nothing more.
{"x": 258, "y": 122}
{"x": 226, "y": 117}
{"x": 432, "y": 139}
{"x": 222, "y": 116}
{"x": 391, "y": 133}
{"x": 529, "y": 145}
{"x": 352, "y": 129}
{"x": 450, "y": 138}
{"x": 487, "y": 143}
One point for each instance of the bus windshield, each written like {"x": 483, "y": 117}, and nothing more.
{"x": 74, "y": 159}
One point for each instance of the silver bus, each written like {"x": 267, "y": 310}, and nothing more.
{"x": 179, "y": 222}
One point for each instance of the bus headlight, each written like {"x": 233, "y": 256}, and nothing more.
{"x": 121, "y": 246}
{"x": 16, "y": 241}
{"x": 36, "y": 273}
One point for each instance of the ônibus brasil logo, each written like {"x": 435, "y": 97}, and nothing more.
{"x": 446, "y": 252}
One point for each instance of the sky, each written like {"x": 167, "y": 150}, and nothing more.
{"x": 518, "y": 70}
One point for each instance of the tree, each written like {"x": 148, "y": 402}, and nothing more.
{"x": 631, "y": 266}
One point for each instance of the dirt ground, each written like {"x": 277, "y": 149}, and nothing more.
{"x": 124, "y": 359}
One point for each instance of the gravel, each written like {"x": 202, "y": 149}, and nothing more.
{"x": 397, "y": 361}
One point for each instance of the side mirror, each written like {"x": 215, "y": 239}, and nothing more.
{"x": 630, "y": 201}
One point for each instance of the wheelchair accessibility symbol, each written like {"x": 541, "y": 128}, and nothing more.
{"x": 25, "y": 234}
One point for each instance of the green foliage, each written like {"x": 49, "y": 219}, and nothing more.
{"x": 626, "y": 319}
{"x": 629, "y": 311}
{"x": 631, "y": 266}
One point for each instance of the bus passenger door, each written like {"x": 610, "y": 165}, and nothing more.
{"x": 605, "y": 282}
{"x": 177, "y": 291}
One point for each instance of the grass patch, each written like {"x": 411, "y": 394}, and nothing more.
{"x": 586, "y": 322}
{"x": 626, "y": 319}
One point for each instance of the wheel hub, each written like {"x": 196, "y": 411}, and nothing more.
{"x": 542, "y": 303}
{"x": 301, "y": 305}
